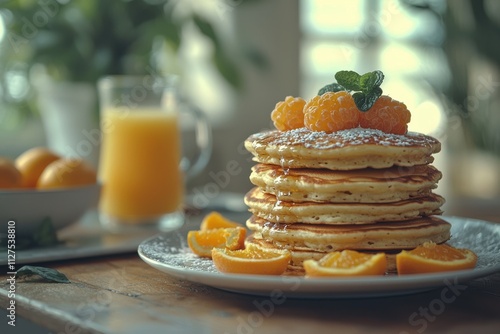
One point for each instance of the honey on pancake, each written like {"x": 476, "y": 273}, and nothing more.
{"x": 285, "y": 170}
{"x": 281, "y": 179}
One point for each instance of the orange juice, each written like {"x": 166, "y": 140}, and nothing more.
{"x": 139, "y": 164}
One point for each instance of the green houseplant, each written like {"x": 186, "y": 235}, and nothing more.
{"x": 78, "y": 41}
{"x": 81, "y": 40}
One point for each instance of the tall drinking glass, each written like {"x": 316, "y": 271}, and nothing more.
{"x": 143, "y": 184}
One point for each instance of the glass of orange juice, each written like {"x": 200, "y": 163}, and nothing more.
{"x": 143, "y": 184}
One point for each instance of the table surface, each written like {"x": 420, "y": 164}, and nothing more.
{"x": 122, "y": 294}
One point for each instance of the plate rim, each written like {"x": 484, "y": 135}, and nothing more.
{"x": 329, "y": 287}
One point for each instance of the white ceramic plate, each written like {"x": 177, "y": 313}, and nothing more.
{"x": 170, "y": 254}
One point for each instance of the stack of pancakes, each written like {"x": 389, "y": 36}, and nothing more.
{"x": 358, "y": 189}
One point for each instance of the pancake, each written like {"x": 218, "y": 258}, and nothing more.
{"x": 342, "y": 150}
{"x": 299, "y": 256}
{"x": 327, "y": 238}
{"x": 266, "y": 206}
{"x": 362, "y": 185}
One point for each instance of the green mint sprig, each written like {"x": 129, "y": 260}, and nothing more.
{"x": 366, "y": 87}
{"x": 333, "y": 87}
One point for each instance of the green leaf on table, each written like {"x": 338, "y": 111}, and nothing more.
{"x": 45, "y": 235}
{"x": 47, "y": 274}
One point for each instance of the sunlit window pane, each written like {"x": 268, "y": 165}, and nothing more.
{"x": 368, "y": 35}
{"x": 320, "y": 60}
{"x": 331, "y": 16}
{"x": 415, "y": 60}
{"x": 399, "y": 22}
{"x": 395, "y": 19}
{"x": 323, "y": 57}
{"x": 17, "y": 85}
{"x": 401, "y": 58}
{"x": 2, "y": 28}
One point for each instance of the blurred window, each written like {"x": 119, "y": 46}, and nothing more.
{"x": 391, "y": 35}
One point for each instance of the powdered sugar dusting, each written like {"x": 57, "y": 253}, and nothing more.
{"x": 171, "y": 249}
{"x": 338, "y": 139}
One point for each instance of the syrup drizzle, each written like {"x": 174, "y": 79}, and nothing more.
{"x": 287, "y": 141}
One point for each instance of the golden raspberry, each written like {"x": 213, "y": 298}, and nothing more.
{"x": 388, "y": 115}
{"x": 331, "y": 112}
{"x": 289, "y": 114}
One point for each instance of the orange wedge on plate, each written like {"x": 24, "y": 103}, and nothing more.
{"x": 431, "y": 258}
{"x": 347, "y": 263}
{"x": 251, "y": 260}
{"x": 202, "y": 242}
{"x": 216, "y": 220}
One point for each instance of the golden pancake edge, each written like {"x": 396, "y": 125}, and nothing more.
{"x": 327, "y": 238}
{"x": 266, "y": 206}
{"x": 361, "y": 185}
{"x": 342, "y": 150}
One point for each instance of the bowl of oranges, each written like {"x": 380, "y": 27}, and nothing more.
{"x": 39, "y": 185}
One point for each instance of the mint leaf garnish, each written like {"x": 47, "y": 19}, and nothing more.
{"x": 349, "y": 79}
{"x": 47, "y": 274}
{"x": 366, "y": 101}
{"x": 366, "y": 87}
{"x": 371, "y": 80}
{"x": 333, "y": 87}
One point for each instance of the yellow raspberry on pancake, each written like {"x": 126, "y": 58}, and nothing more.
{"x": 330, "y": 112}
{"x": 289, "y": 114}
{"x": 387, "y": 115}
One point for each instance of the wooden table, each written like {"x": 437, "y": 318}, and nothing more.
{"x": 122, "y": 294}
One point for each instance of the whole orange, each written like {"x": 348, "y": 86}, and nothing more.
{"x": 65, "y": 173}
{"x": 10, "y": 177}
{"x": 32, "y": 162}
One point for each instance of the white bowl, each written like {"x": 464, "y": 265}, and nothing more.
{"x": 28, "y": 208}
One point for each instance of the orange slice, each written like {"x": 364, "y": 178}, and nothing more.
{"x": 347, "y": 263}
{"x": 216, "y": 220}
{"x": 251, "y": 260}
{"x": 431, "y": 258}
{"x": 202, "y": 242}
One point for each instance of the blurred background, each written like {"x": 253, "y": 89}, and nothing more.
{"x": 237, "y": 58}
